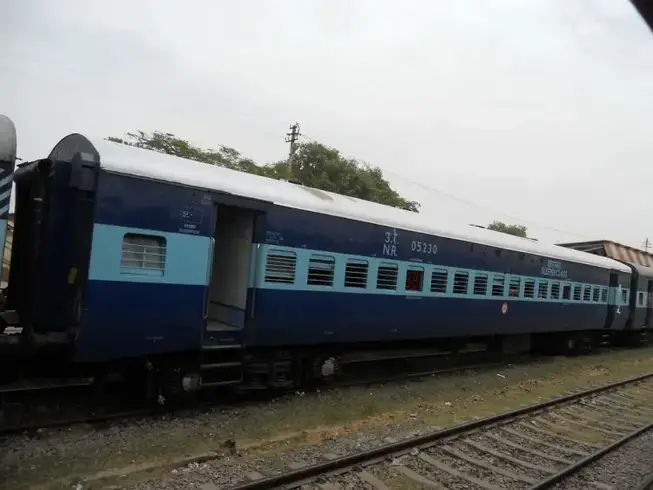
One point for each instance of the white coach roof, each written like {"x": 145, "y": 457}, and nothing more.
{"x": 123, "y": 159}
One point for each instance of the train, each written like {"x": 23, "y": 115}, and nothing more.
{"x": 132, "y": 263}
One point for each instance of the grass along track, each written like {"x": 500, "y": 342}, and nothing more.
{"x": 532, "y": 447}
{"x": 67, "y": 405}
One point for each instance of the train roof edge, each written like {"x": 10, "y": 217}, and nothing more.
{"x": 138, "y": 162}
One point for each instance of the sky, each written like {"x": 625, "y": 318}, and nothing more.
{"x": 533, "y": 113}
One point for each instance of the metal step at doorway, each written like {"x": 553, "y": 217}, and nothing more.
{"x": 222, "y": 355}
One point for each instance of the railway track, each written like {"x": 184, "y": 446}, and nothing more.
{"x": 647, "y": 483}
{"x": 534, "y": 447}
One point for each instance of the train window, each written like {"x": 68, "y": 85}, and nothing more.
{"x": 480, "y": 284}
{"x": 414, "y": 279}
{"x": 387, "y": 276}
{"x": 587, "y": 292}
{"x": 280, "y": 267}
{"x": 498, "y": 285}
{"x": 577, "y": 292}
{"x": 624, "y": 296}
{"x": 439, "y": 281}
{"x": 460, "y": 282}
{"x": 555, "y": 290}
{"x": 640, "y": 299}
{"x": 143, "y": 254}
{"x": 543, "y": 290}
{"x": 320, "y": 270}
{"x": 604, "y": 295}
{"x": 596, "y": 294}
{"x": 356, "y": 273}
{"x": 566, "y": 291}
{"x": 529, "y": 289}
{"x": 514, "y": 286}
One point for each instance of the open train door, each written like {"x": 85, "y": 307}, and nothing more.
{"x": 227, "y": 295}
{"x": 8, "y": 148}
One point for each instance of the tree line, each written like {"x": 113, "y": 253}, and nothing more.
{"x": 313, "y": 164}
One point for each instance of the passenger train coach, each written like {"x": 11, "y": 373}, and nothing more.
{"x": 194, "y": 275}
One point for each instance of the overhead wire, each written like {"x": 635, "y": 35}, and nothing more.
{"x": 435, "y": 190}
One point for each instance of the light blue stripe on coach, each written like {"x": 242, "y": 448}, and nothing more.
{"x": 186, "y": 257}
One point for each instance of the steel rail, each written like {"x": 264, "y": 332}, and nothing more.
{"x": 309, "y": 473}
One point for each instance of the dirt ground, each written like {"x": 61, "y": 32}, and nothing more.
{"x": 127, "y": 453}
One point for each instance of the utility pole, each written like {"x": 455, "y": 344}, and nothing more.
{"x": 291, "y": 138}
{"x": 647, "y": 245}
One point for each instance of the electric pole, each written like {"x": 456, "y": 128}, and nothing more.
{"x": 647, "y": 244}
{"x": 291, "y": 138}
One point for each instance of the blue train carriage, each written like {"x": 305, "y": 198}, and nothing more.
{"x": 179, "y": 272}
{"x": 8, "y": 149}
{"x": 639, "y": 296}
{"x": 320, "y": 275}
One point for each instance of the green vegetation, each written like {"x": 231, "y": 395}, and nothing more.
{"x": 517, "y": 230}
{"x": 313, "y": 165}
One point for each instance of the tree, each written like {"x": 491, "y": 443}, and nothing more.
{"x": 313, "y": 165}
{"x": 316, "y": 165}
{"x": 517, "y": 230}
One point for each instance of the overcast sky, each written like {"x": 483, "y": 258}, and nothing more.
{"x": 534, "y": 112}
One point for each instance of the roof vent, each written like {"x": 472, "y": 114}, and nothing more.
{"x": 291, "y": 181}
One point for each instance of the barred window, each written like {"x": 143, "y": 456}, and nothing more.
{"x": 414, "y": 279}
{"x": 480, "y": 284}
{"x": 321, "y": 270}
{"x": 513, "y": 286}
{"x": 356, "y": 273}
{"x": 498, "y": 285}
{"x": 387, "y": 276}
{"x": 144, "y": 254}
{"x": 460, "y": 282}
{"x": 280, "y": 267}
{"x": 439, "y": 279}
{"x": 566, "y": 291}
{"x": 543, "y": 290}
{"x": 529, "y": 289}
